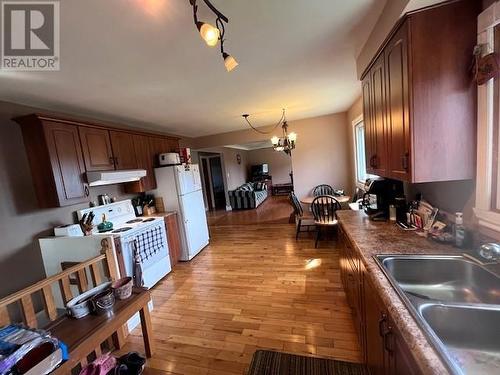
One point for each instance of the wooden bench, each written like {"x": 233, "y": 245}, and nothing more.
{"x": 84, "y": 337}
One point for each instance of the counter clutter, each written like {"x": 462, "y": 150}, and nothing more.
{"x": 368, "y": 238}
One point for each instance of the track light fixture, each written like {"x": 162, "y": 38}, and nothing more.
{"x": 212, "y": 34}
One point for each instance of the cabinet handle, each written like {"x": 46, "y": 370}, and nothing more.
{"x": 86, "y": 190}
{"x": 116, "y": 160}
{"x": 389, "y": 340}
{"x": 381, "y": 325}
{"x": 111, "y": 160}
{"x": 405, "y": 163}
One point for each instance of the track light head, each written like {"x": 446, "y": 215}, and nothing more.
{"x": 210, "y": 34}
{"x": 229, "y": 62}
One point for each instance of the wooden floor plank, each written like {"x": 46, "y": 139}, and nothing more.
{"x": 249, "y": 289}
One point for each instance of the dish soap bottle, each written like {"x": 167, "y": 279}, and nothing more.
{"x": 459, "y": 230}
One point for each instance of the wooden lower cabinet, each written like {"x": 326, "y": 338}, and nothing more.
{"x": 174, "y": 241}
{"x": 383, "y": 348}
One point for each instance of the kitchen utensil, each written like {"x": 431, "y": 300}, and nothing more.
{"x": 122, "y": 288}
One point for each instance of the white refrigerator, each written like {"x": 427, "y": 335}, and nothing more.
{"x": 180, "y": 188}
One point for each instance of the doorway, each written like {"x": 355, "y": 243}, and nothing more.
{"x": 213, "y": 181}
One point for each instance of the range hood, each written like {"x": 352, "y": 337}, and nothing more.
{"x": 99, "y": 178}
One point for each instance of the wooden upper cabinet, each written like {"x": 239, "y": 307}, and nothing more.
{"x": 423, "y": 100}
{"x": 122, "y": 144}
{"x": 56, "y": 161}
{"x": 367, "y": 119}
{"x": 397, "y": 106}
{"x": 378, "y": 160}
{"x": 144, "y": 161}
{"x": 96, "y": 147}
{"x": 157, "y": 146}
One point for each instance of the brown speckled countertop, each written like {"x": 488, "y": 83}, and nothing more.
{"x": 371, "y": 238}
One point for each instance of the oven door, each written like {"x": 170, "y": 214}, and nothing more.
{"x": 145, "y": 255}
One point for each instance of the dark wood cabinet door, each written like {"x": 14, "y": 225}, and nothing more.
{"x": 63, "y": 143}
{"x": 96, "y": 147}
{"x": 157, "y": 145}
{"x": 397, "y": 104}
{"x": 399, "y": 359}
{"x": 145, "y": 161}
{"x": 174, "y": 241}
{"x": 173, "y": 145}
{"x": 375, "y": 323}
{"x": 378, "y": 131}
{"x": 367, "y": 119}
{"x": 122, "y": 144}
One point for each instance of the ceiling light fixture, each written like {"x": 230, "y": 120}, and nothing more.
{"x": 286, "y": 143}
{"x": 213, "y": 34}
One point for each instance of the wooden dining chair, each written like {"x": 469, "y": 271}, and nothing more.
{"x": 323, "y": 189}
{"x": 324, "y": 209}
{"x": 302, "y": 220}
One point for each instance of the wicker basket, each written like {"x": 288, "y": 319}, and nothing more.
{"x": 122, "y": 288}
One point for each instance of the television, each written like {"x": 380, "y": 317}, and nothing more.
{"x": 260, "y": 170}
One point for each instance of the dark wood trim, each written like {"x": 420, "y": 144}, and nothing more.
{"x": 96, "y": 124}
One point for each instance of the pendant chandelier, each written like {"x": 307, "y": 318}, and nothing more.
{"x": 285, "y": 143}
{"x": 213, "y": 34}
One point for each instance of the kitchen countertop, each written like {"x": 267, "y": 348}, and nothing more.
{"x": 163, "y": 214}
{"x": 371, "y": 238}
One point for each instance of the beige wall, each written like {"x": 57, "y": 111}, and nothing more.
{"x": 21, "y": 221}
{"x": 321, "y": 155}
{"x": 280, "y": 164}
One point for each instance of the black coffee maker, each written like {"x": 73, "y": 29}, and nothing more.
{"x": 380, "y": 193}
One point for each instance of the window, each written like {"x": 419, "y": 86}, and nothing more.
{"x": 359, "y": 142}
{"x": 487, "y": 205}
{"x": 359, "y": 152}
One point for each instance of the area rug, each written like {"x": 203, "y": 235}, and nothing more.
{"x": 266, "y": 362}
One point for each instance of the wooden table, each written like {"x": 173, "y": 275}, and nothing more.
{"x": 341, "y": 199}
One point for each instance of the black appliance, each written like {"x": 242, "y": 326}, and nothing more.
{"x": 380, "y": 193}
{"x": 260, "y": 170}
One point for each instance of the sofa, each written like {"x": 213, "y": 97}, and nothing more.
{"x": 249, "y": 195}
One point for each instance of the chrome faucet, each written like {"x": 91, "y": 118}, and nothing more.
{"x": 490, "y": 251}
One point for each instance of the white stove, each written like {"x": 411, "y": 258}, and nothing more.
{"x": 140, "y": 242}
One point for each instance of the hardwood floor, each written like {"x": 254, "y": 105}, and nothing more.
{"x": 274, "y": 210}
{"x": 253, "y": 287}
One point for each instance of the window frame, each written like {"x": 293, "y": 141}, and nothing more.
{"x": 488, "y": 122}
{"x": 360, "y": 184}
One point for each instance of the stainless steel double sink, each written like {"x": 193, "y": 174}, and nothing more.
{"x": 457, "y": 304}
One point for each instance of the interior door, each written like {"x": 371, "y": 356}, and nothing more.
{"x": 398, "y": 117}
{"x": 96, "y": 147}
{"x": 207, "y": 183}
{"x": 217, "y": 182}
{"x": 122, "y": 144}
{"x": 378, "y": 136}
